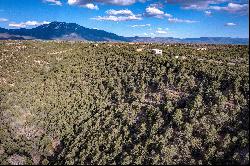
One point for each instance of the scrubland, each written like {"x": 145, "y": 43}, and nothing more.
{"x": 117, "y": 103}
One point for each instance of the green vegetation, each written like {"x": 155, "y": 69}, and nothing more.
{"x": 85, "y": 103}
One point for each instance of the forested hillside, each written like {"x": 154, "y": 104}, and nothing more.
{"x": 113, "y": 103}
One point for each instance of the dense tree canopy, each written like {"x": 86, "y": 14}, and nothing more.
{"x": 106, "y": 103}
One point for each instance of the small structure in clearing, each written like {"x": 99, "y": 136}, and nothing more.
{"x": 157, "y": 51}
{"x": 202, "y": 49}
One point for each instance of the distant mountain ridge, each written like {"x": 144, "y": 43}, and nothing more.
{"x": 203, "y": 40}
{"x": 64, "y": 31}
{"x": 72, "y": 31}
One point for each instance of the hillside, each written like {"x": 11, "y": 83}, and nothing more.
{"x": 110, "y": 103}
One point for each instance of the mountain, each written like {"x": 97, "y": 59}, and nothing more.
{"x": 71, "y": 31}
{"x": 154, "y": 40}
{"x": 64, "y": 31}
{"x": 204, "y": 40}
{"x": 217, "y": 40}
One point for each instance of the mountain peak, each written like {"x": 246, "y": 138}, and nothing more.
{"x": 62, "y": 30}
{"x": 59, "y": 24}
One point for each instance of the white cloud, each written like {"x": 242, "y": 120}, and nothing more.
{"x": 27, "y": 23}
{"x": 196, "y": 4}
{"x": 118, "y": 18}
{"x": 162, "y": 29}
{"x": 168, "y": 15}
{"x": 177, "y": 20}
{"x": 16, "y": 25}
{"x": 230, "y": 24}
{"x": 91, "y": 6}
{"x": 73, "y": 2}
{"x": 54, "y": 2}
{"x": 208, "y": 13}
{"x": 161, "y": 32}
{"x": 232, "y": 8}
{"x": 112, "y": 2}
{"x": 119, "y": 12}
{"x": 143, "y": 25}
{"x": 119, "y": 15}
{"x": 153, "y": 11}
{"x": 3, "y": 20}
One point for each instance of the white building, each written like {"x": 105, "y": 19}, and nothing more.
{"x": 157, "y": 51}
{"x": 203, "y": 49}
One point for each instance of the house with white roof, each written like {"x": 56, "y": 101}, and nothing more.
{"x": 157, "y": 51}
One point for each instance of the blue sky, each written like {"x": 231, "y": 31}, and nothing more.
{"x": 150, "y": 18}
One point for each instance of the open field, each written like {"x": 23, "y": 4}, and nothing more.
{"x": 117, "y": 103}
